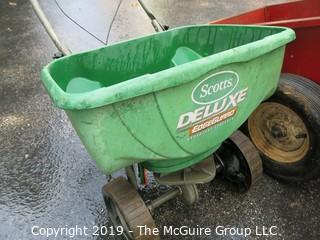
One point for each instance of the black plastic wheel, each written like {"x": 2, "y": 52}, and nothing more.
{"x": 240, "y": 161}
{"x": 286, "y": 130}
{"x": 127, "y": 209}
{"x": 190, "y": 193}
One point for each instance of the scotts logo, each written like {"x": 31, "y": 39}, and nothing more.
{"x": 219, "y": 99}
{"x": 215, "y": 87}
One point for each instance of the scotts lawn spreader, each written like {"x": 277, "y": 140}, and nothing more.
{"x": 170, "y": 103}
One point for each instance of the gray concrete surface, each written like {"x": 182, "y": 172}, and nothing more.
{"x": 178, "y": 13}
{"x": 96, "y": 17}
{"x": 47, "y": 178}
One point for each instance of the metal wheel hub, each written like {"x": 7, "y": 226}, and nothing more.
{"x": 279, "y": 132}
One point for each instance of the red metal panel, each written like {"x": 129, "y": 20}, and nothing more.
{"x": 303, "y": 55}
{"x": 294, "y": 10}
{"x": 296, "y": 23}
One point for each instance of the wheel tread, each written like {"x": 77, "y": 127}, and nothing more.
{"x": 250, "y": 153}
{"x": 131, "y": 206}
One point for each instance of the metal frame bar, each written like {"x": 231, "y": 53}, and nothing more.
{"x": 171, "y": 194}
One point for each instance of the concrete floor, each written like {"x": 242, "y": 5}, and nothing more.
{"x": 47, "y": 178}
{"x": 177, "y": 13}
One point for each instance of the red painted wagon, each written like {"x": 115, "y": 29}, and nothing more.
{"x": 286, "y": 128}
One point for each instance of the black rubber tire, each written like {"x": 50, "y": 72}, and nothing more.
{"x": 303, "y": 97}
{"x": 239, "y": 157}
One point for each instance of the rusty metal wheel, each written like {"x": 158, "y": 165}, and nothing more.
{"x": 286, "y": 130}
{"x": 240, "y": 161}
{"x": 279, "y": 132}
{"x": 127, "y": 209}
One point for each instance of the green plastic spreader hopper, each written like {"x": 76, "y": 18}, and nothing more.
{"x": 170, "y": 99}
